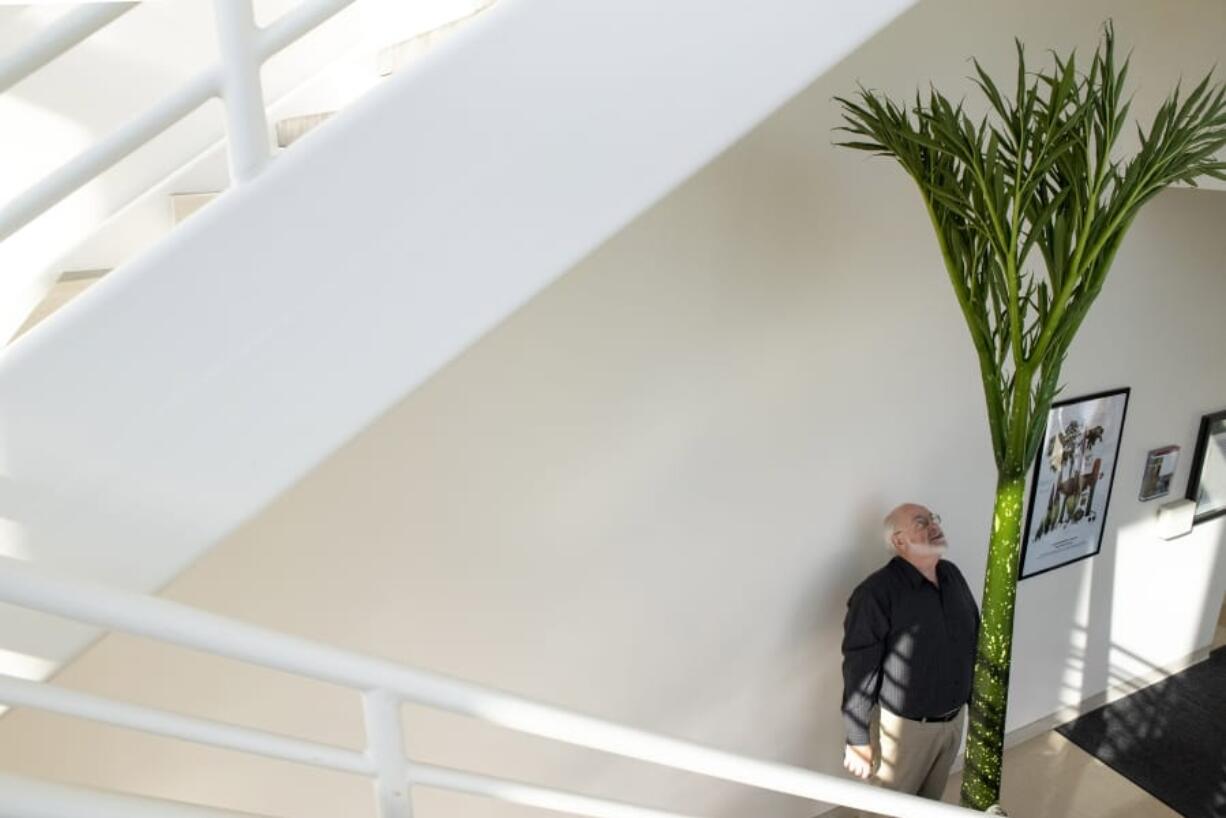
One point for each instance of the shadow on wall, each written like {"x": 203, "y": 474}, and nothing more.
{"x": 1096, "y": 662}
{"x": 1157, "y": 703}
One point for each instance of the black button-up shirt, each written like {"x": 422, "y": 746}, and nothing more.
{"x": 908, "y": 644}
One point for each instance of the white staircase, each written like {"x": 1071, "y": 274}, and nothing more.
{"x": 189, "y": 387}
{"x": 128, "y": 211}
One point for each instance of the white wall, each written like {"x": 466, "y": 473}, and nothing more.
{"x": 648, "y": 493}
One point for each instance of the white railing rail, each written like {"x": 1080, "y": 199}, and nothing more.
{"x": 244, "y": 48}
{"x": 57, "y": 38}
{"x": 385, "y": 685}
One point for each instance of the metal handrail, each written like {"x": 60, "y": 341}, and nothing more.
{"x": 101, "y": 155}
{"x": 237, "y": 85}
{"x": 384, "y": 683}
{"x": 17, "y": 692}
{"x": 57, "y": 38}
{"x": 53, "y": 699}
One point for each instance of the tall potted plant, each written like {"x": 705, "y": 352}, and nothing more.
{"x": 1030, "y": 205}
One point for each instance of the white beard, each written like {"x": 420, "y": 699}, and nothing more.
{"x": 929, "y": 549}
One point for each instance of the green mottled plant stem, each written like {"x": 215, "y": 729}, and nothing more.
{"x": 989, "y": 699}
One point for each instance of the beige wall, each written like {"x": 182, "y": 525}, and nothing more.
{"x": 647, "y": 495}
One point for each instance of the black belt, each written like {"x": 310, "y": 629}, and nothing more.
{"x": 950, "y": 716}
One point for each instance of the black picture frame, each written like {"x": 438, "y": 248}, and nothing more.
{"x": 1212, "y": 426}
{"x": 1096, "y": 520}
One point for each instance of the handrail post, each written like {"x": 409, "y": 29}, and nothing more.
{"x": 246, "y": 119}
{"x": 385, "y": 746}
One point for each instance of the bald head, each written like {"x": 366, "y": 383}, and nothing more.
{"x": 910, "y": 524}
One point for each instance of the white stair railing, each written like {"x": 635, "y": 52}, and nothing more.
{"x": 244, "y": 48}
{"x": 385, "y": 686}
{"x": 57, "y": 38}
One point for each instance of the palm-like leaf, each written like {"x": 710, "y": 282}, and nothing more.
{"x": 1037, "y": 173}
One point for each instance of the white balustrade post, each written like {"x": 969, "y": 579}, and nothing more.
{"x": 246, "y": 119}
{"x": 385, "y": 746}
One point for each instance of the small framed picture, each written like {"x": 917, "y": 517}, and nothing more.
{"x": 1159, "y": 471}
{"x": 1207, "y": 480}
{"x": 1071, "y": 486}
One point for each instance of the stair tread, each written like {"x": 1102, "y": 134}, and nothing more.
{"x": 293, "y": 128}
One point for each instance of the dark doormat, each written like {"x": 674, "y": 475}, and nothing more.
{"x": 1169, "y": 739}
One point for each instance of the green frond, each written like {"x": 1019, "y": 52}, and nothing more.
{"x": 1038, "y": 172}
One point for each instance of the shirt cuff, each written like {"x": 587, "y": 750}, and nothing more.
{"x": 856, "y": 735}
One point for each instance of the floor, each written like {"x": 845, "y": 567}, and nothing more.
{"x": 1074, "y": 785}
{"x": 1049, "y": 777}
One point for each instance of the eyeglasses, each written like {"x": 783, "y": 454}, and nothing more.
{"x": 922, "y": 523}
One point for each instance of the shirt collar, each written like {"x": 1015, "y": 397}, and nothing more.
{"x": 914, "y": 578}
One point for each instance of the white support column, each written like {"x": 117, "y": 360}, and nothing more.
{"x": 385, "y": 746}
{"x": 246, "y": 119}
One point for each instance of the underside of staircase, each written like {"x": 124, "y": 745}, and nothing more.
{"x": 188, "y": 388}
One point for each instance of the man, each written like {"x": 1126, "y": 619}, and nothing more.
{"x": 908, "y": 647}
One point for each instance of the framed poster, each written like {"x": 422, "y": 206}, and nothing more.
{"x": 1159, "y": 471}
{"x": 1071, "y": 486}
{"x": 1207, "y": 481}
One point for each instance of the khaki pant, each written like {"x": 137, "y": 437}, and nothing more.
{"x": 914, "y": 756}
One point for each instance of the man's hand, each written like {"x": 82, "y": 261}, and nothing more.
{"x": 858, "y": 759}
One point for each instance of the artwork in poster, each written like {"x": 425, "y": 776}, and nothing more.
{"x": 1071, "y": 485}
{"x": 1207, "y": 481}
{"x": 1159, "y": 472}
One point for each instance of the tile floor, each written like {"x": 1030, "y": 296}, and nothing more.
{"x": 1050, "y": 777}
